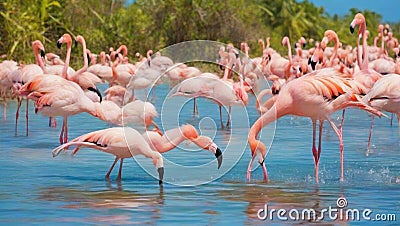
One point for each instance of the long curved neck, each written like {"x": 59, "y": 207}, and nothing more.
{"x": 261, "y": 122}
{"x": 171, "y": 144}
{"x": 85, "y": 61}
{"x": 364, "y": 65}
{"x": 67, "y": 58}
{"x": 228, "y": 66}
{"x": 382, "y": 42}
{"x": 124, "y": 50}
{"x": 103, "y": 58}
{"x": 262, "y": 45}
{"x": 39, "y": 60}
{"x": 335, "y": 49}
{"x": 289, "y": 52}
{"x": 268, "y": 42}
{"x": 273, "y": 114}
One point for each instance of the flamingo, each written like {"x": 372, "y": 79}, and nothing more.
{"x": 123, "y": 142}
{"x": 316, "y": 97}
{"x": 86, "y": 80}
{"x": 384, "y": 95}
{"x": 173, "y": 137}
{"x": 367, "y": 77}
{"x": 6, "y": 81}
{"x": 62, "y": 70}
{"x": 27, "y": 73}
{"x": 56, "y": 96}
{"x": 222, "y": 91}
{"x": 102, "y": 69}
{"x": 137, "y": 112}
{"x": 115, "y": 94}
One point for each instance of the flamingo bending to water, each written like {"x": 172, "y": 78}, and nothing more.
{"x": 123, "y": 142}
{"x": 173, "y": 137}
{"x": 316, "y": 97}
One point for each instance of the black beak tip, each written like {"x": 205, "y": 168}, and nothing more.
{"x": 59, "y": 44}
{"x": 313, "y": 64}
{"x": 76, "y": 43}
{"x": 351, "y": 29}
{"x": 160, "y": 175}
{"x": 96, "y": 91}
{"x": 42, "y": 53}
{"x": 218, "y": 155}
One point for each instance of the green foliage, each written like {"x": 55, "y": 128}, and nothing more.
{"x": 154, "y": 24}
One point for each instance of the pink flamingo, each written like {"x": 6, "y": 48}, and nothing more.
{"x": 384, "y": 96}
{"x": 123, "y": 142}
{"x": 56, "y": 96}
{"x": 63, "y": 70}
{"x": 6, "y": 81}
{"x": 102, "y": 69}
{"x": 366, "y": 77}
{"x": 222, "y": 91}
{"x": 27, "y": 73}
{"x": 173, "y": 137}
{"x": 86, "y": 80}
{"x": 316, "y": 97}
{"x": 136, "y": 112}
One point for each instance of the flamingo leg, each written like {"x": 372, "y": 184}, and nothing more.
{"x": 62, "y": 133}
{"x": 27, "y": 115}
{"x": 265, "y": 172}
{"x": 111, "y": 168}
{"x": 5, "y": 108}
{"x": 370, "y": 136}
{"x": 17, "y": 115}
{"x": 339, "y": 134}
{"x": 314, "y": 150}
{"x": 54, "y": 122}
{"x": 228, "y": 123}
{"x": 391, "y": 120}
{"x": 66, "y": 130}
{"x": 120, "y": 170}
{"x": 220, "y": 117}
{"x": 249, "y": 168}
{"x": 341, "y": 123}
{"x": 195, "y": 109}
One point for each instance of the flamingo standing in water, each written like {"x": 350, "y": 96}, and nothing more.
{"x": 384, "y": 95}
{"x": 123, "y": 142}
{"x": 27, "y": 73}
{"x": 222, "y": 91}
{"x": 173, "y": 137}
{"x": 316, "y": 97}
{"x": 367, "y": 77}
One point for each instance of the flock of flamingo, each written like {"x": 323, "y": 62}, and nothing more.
{"x": 313, "y": 83}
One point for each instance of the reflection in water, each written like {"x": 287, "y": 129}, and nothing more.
{"x": 112, "y": 198}
{"x": 259, "y": 195}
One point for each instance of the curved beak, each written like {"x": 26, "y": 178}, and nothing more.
{"x": 42, "y": 53}
{"x": 96, "y": 91}
{"x": 351, "y": 29}
{"x": 160, "y": 175}
{"x": 218, "y": 155}
{"x": 59, "y": 44}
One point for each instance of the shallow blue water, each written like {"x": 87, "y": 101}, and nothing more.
{"x": 36, "y": 188}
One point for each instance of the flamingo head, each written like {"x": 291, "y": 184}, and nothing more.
{"x": 66, "y": 38}
{"x": 38, "y": 46}
{"x": 258, "y": 149}
{"x": 359, "y": 19}
{"x": 204, "y": 142}
{"x": 241, "y": 93}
